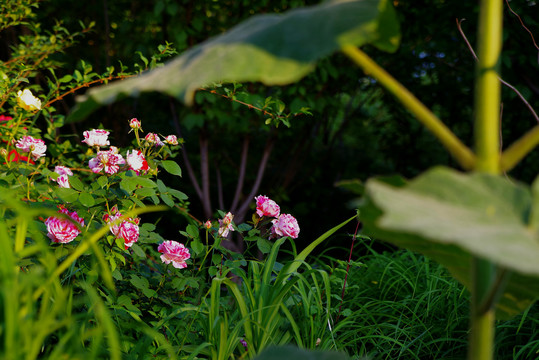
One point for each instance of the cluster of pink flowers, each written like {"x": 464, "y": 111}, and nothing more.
{"x": 62, "y": 230}
{"x": 63, "y": 176}
{"x": 174, "y": 252}
{"x": 283, "y": 224}
{"x": 110, "y": 161}
{"x": 35, "y": 147}
{"x": 127, "y": 230}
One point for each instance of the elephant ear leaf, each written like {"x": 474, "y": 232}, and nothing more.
{"x": 452, "y": 217}
{"x": 275, "y": 49}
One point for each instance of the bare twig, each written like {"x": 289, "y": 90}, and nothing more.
{"x": 522, "y": 23}
{"x": 205, "y": 174}
{"x": 259, "y": 176}
{"x": 241, "y": 176}
{"x": 530, "y": 108}
{"x": 347, "y": 270}
{"x": 220, "y": 199}
{"x": 185, "y": 156}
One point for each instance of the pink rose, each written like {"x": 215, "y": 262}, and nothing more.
{"x": 63, "y": 178}
{"x": 135, "y": 124}
{"x": 96, "y": 137}
{"x": 136, "y": 161}
{"x": 285, "y": 225}
{"x": 107, "y": 160}
{"x": 128, "y": 229}
{"x": 171, "y": 140}
{"x": 114, "y": 228}
{"x": 225, "y": 225}
{"x": 129, "y": 232}
{"x": 61, "y": 230}
{"x": 174, "y": 252}
{"x": 36, "y": 147}
{"x": 266, "y": 207}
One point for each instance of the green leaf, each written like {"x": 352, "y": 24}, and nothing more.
{"x": 177, "y": 194}
{"x": 66, "y": 78}
{"x": 130, "y": 183}
{"x": 138, "y": 251}
{"x": 450, "y": 217}
{"x": 263, "y": 245}
{"x": 196, "y": 246}
{"x": 167, "y": 200}
{"x": 161, "y": 186}
{"x": 139, "y": 282}
{"x": 145, "y": 192}
{"x": 276, "y": 49}
{"x": 244, "y": 227}
{"x": 192, "y": 230}
{"x": 86, "y": 199}
{"x": 75, "y": 183}
{"x": 67, "y": 194}
{"x": 102, "y": 181}
{"x": 171, "y": 167}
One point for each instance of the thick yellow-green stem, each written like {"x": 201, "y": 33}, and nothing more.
{"x": 488, "y": 86}
{"x": 460, "y": 152}
{"x": 520, "y": 148}
{"x": 487, "y": 122}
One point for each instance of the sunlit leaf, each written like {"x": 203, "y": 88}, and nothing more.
{"x": 450, "y": 216}
{"x": 276, "y": 49}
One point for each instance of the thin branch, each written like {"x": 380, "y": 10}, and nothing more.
{"x": 259, "y": 176}
{"x": 347, "y": 270}
{"x": 185, "y": 156}
{"x": 241, "y": 176}
{"x": 220, "y": 199}
{"x": 205, "y": 174}
{"x": 530, "y": 108}
{"x": 522, "y": 23}
{"x": 249, "y": 106}
{"x": 88, "y": 84}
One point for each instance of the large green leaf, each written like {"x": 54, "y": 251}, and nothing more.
{"x": 275, "y": 49}
{"x": 450, "y": 216}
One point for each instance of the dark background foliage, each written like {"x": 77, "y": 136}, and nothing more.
{"x": 356, "y": 130}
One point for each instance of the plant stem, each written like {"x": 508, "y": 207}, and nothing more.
{"x": 460, "y": 152}
{"x": 488, "y": 87}
{"x": 347, "y": 270}
{"x": 519, "y": 149}
{"x": 487, "y": 107}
